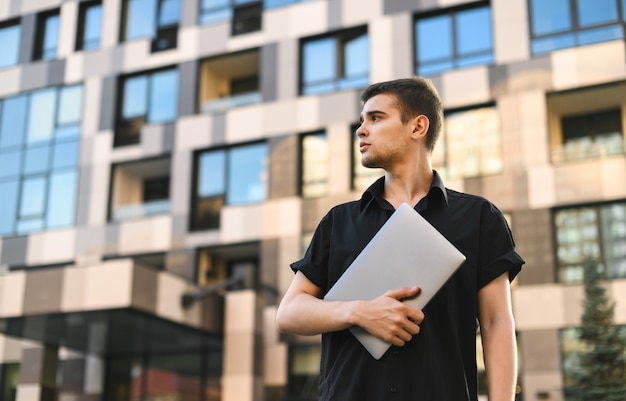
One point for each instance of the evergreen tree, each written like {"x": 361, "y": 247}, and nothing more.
{"x": 601, "y": 375}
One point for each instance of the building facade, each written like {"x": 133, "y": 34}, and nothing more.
{"x": 162, "y": 162}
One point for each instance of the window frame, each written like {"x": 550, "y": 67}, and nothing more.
{"x": 575, "y": 27}
{"x": 164, "y": 36}
{"x": 340, "y": 38}
{"x": 301, "y": 165}
{"x": 83, "y": 11}
{"x": 12, "y": 23}
{"x": 41, "y": 32}
{"x": 456, "y": 59}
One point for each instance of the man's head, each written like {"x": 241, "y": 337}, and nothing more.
{"x": 414, "y": 96}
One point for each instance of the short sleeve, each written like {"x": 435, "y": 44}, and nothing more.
{"x": 314, "y": 264}
{"x": 497, "y": 253}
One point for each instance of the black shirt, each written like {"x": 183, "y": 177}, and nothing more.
{"x": 439, "y": 363}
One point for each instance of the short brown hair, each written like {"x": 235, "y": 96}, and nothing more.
{"x": 414, "y": 96}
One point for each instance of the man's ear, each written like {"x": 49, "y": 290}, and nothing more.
{"x": 420, "y": 126}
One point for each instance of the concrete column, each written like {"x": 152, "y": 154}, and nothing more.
{"x": 242, "y": 379}
{"x": 38, "y": 371}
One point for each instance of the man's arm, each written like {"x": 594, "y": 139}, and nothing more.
{"x": 497, "y": 329}
{"x": 302, "y": 312}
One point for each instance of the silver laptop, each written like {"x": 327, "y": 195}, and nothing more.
{"x": 406, "y": 251}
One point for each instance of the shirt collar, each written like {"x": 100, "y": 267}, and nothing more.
{"x": 436, "y": 192}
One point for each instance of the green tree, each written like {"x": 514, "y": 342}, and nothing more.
{"x": 601, "y": 374}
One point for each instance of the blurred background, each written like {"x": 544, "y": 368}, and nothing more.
{"x": 162, "y": 162}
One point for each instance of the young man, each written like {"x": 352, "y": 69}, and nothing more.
{"x": 433, "y": 356}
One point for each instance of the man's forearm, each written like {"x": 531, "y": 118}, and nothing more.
{"x": 500, "y": 353}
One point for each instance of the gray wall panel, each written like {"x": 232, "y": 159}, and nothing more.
{"x": 188, "y": 88}
{"x": 107, "y": 103}
{"x": 268, "y": 72}
{"x": 27, "y": 26}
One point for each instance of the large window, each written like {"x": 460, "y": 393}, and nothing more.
{"x": 89, "y": 25}
{"x": 9, "y": 43}
{"x": 558, "y": 24}
{"x": 228, "y": 176}
{"x": 145, "y": 99}
{"x": 245, "y": 15}
{"x": 47, "y": 36}
{"x": 154, "y": 19}
{"x": 314, "y": 164}
{"x": 456, "y": 38}
{"x": 335, "y": 62}
{"x": 9, "y": 379}
{"x": 590, "y": 135}
{"x": 596, "y": 231}
{"x": 470, "y": 145}
{"x": 39, "y": 150}
{"x": 229, "y": 81}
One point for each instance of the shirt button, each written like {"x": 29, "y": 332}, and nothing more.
{"x": 393, "y": 389}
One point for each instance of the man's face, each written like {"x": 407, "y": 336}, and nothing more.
{"x": 384, "y": 139}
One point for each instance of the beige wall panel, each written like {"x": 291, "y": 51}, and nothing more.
{"x": 355, "y": 12}
{"x": 534, "y": 133}
{"x": 247, "y": 41}
{"x": 73, "y": 295}
{"x": 541, "y": 186}
{"x": 194, "y": 132}
{"x": 149, "y": 235}
{"x": 287, "y": 83}
{"x": 67, "y": 29}
{"x": 10, "y": 78}
{"x": 240, "y": 315}
{"x": 381, "y": 49}
{"x": 339, "y": 148}
{"x": 10, "y": 349}
{"x": 578, "y": 182}
{"x": 108, "y": 285}
{"x": 588, "y": 65}
{"x": 111, "y": 15}
{"x": 99, "y": 192}
{"x": 12, "y": 288}
{"x": 465, "y": 87}
{"x": 543, "y": 382}
{"x": 617, "y": 291}
{"x": 613, "y": 177}
{"x": 28, "y": 392}
{"x": 170, "y": 290}
{"x": 538, "y": 307}
{"x": 245, "y": 124}
{"x": 308, "y": 113}
{"x": 275, "y": 365}
{"x": 152, "y": 136}
{"x": 241, "y": 388}
{"x": 279, "y": 117}
{"x": 34, "y": 6}
{"x": 289, "y": 252}
{"x": 136, "y": 55}
{"x": 296, "y": 21}
{"x": 51, "y": 247}
{"x": 5, "y": 9}
{"x": 180, "y": 183}
{"x": 510, "y": 30}
{"x": 239, "y": 354}
{"x": 276, "y": 218}
{"x": 572, "y": 305}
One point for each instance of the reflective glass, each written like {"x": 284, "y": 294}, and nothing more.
{"x": 93, "y": 27}
{"x": 51, "y": 38}
{"x": 36, "y": 159}
{"x": 550, "y": 16}
{"x": 320, "y": 61}
{"x": 600, "y": 34}
{"x": 163, "y": 96}
{"x": 65, "y": 154}
{"x": 141, "y": 18}
{"x": 41, "y": 116}
{"x": 8, "y": 205}
{"x": 551, "y": 43}
{"x": 169, "y": 12}
{"x": 593, "y": 12}
{"x": 33, "y": 197}
{"x": 135, "y": 97}
{"x": 473, "y": 31}
{"x": 434, "y": 39}
{"x": 13, "y": 121}
{"x": 24, "y": 226}
{"x": 356, "y": 57}
{"x": 211, "y": 4}
{"x": 70, "y": 105}
{"x": 61, "y": 199}
{"x": 211, "y": 174}
{"x": 10, "y": 45}
{"x": 247, "y": 174}
{"x": 315, "y": 165}
{"x": 10, "y": 163}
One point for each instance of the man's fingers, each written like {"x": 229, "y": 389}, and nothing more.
{"x": 402, "y": 293}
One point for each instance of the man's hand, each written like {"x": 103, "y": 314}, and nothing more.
{"x": 388, "y": 318}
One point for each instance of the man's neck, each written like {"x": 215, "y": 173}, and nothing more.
{"x": 408, "y": 186}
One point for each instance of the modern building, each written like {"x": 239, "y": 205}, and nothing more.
{"x": 162, "y": 162}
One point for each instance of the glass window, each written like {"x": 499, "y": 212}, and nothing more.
{"x": 315, "y": 164}
{"x": 590, "y": 135}
{"x": 9, "y": 43}
{"x": 558, "y": 24}
{"x": 245, "y": 15}
{"x": 304, "y": 362}
{"x": 463, "y": 153}
{"x": 9, "y": 379}
{"x": 233, "y": 176}
{"x": 591, "y": 231}
{"x": 247, "y": 18}
{"x": 39, "y": 175}
{"x": 89, "y": 25}
{"x": 149, "y": 98}
{"x": 362, "y": 177}
{"x": 47, "y": 36}
{"x": 336, "y": 62}
{"x": 459, "y": 38}
{"x": 268, "y": 4}
{"x": 153, "y": 19}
